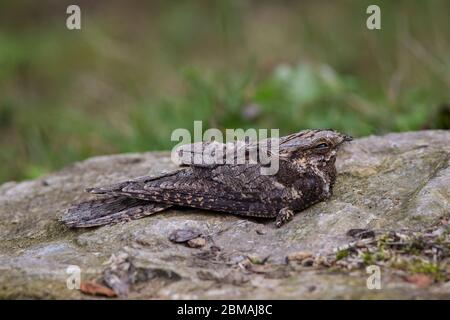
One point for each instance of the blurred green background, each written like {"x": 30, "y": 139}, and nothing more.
{"x": 137, "y": 70}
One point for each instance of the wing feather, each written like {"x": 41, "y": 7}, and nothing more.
{"x": 195, "y": 187}
{"x": 109, "y": 210}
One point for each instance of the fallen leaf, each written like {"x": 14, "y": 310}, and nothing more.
{"x": 95, "y": 289}
{"x": 421, "y": 280}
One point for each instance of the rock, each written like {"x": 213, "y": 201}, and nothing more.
{"x": 119, "y": 274}
{"x": 184, "y": 235}
{"x": 299, "y": 256}
{"x": 389, "y": 182}
{"x": 196, "y": 242}
{"x": 308, "y": 262}
{"x": 360, "y": 233}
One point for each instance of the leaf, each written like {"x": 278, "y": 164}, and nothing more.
{"x": 95, "y": 289}
{"x": 421, "y": 280}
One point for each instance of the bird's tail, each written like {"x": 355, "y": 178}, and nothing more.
{"x": 109, "y": 210}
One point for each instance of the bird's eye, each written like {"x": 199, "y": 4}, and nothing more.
{"x": 322, "y": 146}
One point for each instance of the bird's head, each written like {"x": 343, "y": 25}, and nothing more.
{"x": 312, "y": 147}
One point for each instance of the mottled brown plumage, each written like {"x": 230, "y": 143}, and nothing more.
{"x": 306, "y": 176}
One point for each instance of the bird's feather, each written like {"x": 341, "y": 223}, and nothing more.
{"x": 109, "y": 210}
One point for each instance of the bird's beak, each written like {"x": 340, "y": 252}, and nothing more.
{"x": 348, "y": 138}
{"x": 345, "y": 138}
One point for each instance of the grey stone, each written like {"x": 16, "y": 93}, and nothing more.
{"x": 385, "y": 182}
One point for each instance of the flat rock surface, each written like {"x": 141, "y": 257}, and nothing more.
{"x": 389, "y": 182}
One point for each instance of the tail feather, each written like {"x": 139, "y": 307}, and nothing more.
{"x": 109, "y": 210}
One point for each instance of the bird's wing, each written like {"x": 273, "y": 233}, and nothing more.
{"x": 200, "y": 187}
{"x": 109, "y": 210}
{"x": 213, "y": 153}
{"x": 112, "y": 208}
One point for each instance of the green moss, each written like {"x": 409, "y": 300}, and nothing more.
{"x": 342, "y": 254}
{"x": 412, "y": 252}
{"x": 368, "y": 258}
{"x": 429, "y": 268}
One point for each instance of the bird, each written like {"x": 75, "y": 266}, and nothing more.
{"x": 305, "y": 175}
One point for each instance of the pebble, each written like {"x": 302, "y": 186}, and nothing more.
{"x": 184, "y": 235}
{"x": 299, "y": 256}
{"x": 308, "y": 262}
{"x": 196, "y": 242}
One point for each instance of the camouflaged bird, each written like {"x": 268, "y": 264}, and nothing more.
{"x": 306, "y": 175}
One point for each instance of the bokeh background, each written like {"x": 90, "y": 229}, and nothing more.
{"x": 137, "y": 70}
